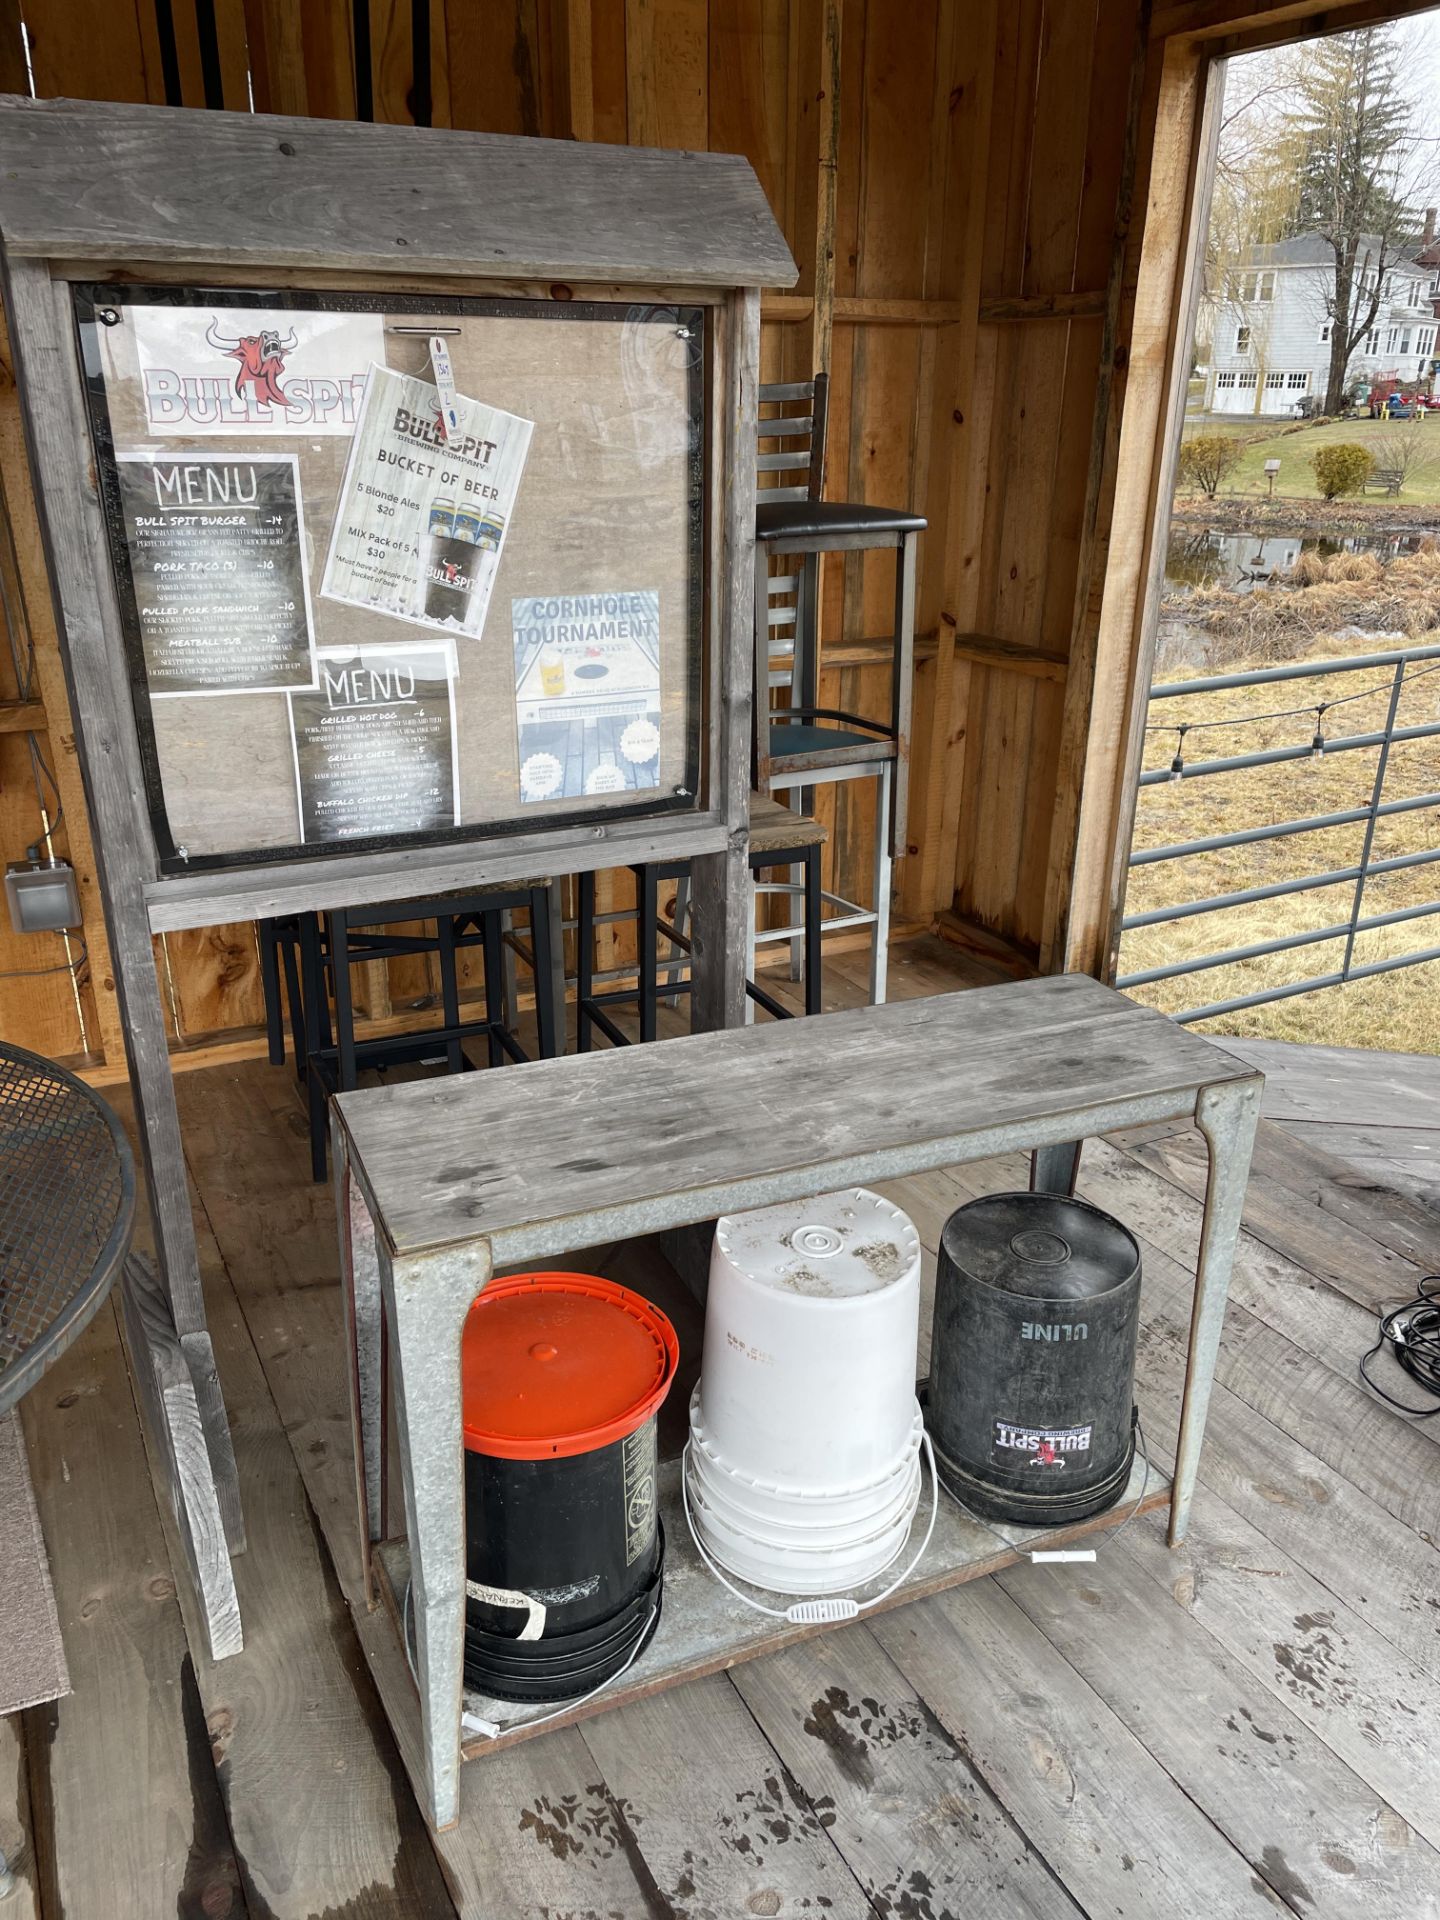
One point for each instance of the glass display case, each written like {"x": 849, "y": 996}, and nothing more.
{"x": 391, "y": 571}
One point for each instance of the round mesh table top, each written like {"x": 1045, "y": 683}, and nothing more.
{"x": 67, "y": 1207}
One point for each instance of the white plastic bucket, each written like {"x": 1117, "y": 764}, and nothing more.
{"x": 794, "y": 1568}
{"x": 806, "y": 1538}
{"x": 800, "y": 1513}
{"x": 811, "y": 1325}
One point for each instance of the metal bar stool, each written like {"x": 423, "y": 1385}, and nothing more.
{"x": 280, "y": 948}
{"x": 778, "y": 838}
{"x": 461, "y": 920}
{"x": 802, "y": 744}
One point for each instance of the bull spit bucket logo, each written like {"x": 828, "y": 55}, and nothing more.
{"x": 239, "y": 370}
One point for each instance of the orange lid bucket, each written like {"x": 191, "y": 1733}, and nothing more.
{"x": 554, "y": 1364}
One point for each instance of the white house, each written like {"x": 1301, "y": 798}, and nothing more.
{"x": 1271, "y": 330}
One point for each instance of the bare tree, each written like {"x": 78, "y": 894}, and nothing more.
{"x": 1407, "y": 450}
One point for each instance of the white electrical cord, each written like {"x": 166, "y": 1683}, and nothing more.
{"x": 826, "y": 1607}
{"x": 492, "y": 1729}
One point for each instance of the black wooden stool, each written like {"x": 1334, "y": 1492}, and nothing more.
{"x": 778, "y": 838}
{"x": 350, "y": 935}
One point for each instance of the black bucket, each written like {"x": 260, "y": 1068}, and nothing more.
{"x": 558, "y": 1667}
{"x": 563, "y": 1377}
{"x": 1030, "y": 1403}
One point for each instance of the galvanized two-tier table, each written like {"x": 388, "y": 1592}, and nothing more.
{"x": 440, "y": 1183}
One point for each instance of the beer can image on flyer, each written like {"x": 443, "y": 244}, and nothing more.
{"x": 492, "y": 531}
{"x": 442, "y": 516}
{"x": 468, "y": 522}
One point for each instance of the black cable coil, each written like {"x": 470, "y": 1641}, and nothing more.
{"x": 1412, "y": 1333}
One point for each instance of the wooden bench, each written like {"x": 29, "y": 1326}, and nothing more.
{"x": 1386, "y": 479}
{"x": 440, "y": 1183}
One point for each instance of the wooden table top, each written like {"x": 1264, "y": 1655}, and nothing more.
{"x": 570, "y": 1153}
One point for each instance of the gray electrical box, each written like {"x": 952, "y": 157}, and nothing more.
{"x": 43, "y": 895}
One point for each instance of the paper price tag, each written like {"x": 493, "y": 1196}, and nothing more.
{"x": 507, "y": 1597}
{"x": 445, "y": 384}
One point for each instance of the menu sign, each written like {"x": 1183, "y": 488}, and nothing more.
{"x": 216, "y": 554}
{"x": 423, "y": 512}
{"x": 374, "y": 743}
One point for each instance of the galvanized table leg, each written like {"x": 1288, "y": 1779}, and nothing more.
{"x": 426, "y": 1300}
{"x": 1226, "y": 1114}
{"x": 1054, "y": 1169}
{"x": 360, "y": 1289}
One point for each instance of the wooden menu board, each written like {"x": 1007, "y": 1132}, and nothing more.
{"x": 347, "y": 628}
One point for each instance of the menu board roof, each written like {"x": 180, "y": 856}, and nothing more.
{"x": 104, "y": 181}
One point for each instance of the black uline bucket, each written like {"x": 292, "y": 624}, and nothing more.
{"x": 563, "y": 1376}
{"x": 1032, "y": 1365}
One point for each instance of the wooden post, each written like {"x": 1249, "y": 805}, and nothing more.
{"x": 575, "y": 77}
{"x": 1187, "y": 129}
{"x": 721, "y": 881}
{"x": 1089, "y": 574}
{"x": 19, "y": 507}
{"x": 827, "y": 181}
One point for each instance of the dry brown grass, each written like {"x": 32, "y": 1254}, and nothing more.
{"x": 1309, "y": 570}
{"x": 1353, "y": 566}
{"x": 1399, "y": 1011}
{"x": 1320, "y": 597}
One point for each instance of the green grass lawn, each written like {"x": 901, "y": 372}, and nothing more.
{"x": 1293, "y": 448}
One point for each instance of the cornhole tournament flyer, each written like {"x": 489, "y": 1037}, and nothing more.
{"x": 375, "y": 743}
{"x": 421, "y": 520}
{"x": 587, "y": 693}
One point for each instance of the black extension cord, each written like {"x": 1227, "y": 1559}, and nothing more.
{"x": 1412, "y": 1333}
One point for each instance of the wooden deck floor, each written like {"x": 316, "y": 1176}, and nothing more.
{"x": 1377, "y": 1112}
{"x": 1246, "y": 1726}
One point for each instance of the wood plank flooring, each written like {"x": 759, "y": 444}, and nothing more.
{"x": 1377, "y": 1112}
{"x": 1245, "y": 1727}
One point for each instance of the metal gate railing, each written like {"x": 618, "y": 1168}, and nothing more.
{"x": 1407, "y": 665}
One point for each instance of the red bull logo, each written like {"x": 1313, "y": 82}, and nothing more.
{"x": 262, "y": 360}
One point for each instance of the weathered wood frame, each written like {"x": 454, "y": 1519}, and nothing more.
{"x": 1094, "y": 1062}
{"x": 81, "y": 198}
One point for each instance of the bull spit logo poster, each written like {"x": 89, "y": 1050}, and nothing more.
{"x": 208, "y": 370}
{"x": 421, "y": 520}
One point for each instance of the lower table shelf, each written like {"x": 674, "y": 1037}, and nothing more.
{"x": 704, "y": 1628}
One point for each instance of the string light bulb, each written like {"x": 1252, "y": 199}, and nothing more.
{"x": 1317, "y": 745}
{"x": 1177, "y": 765}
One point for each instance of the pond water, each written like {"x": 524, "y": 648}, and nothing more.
{"x": 1198, "y": 557}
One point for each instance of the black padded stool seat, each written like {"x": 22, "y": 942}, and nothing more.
{"x": 789, "y": 737}
{"x": 831, "y": 520}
